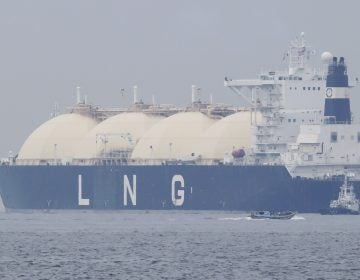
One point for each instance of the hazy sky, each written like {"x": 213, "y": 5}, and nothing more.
{"x": 49, "y": 47}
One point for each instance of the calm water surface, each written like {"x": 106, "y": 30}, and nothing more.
{"x": 176, "y": 245}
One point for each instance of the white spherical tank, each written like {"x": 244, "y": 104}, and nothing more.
{"x": 228, "y": 134}
{"x": 114, "y": 135}
{"x": 173, "y": 138}
{"x": 56, "y": 139}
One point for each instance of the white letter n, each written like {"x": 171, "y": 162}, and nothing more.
{"x": 130, "y": 190}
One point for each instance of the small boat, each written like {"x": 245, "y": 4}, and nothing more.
{"x": 346, "y": 204}
{"x": 286, "y": 215}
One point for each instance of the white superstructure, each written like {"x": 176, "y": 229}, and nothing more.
{"x": 347, "y": 198}
{"x": 290, "y": 100}
{"x": 324, "y": 151}
{"x": 331, "y": 147}
{"x": 285, "y": 99}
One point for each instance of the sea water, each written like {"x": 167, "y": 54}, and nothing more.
{"x": 176, "y": 245}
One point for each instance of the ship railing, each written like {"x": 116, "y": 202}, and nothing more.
{"x": 41, "y": 162}
{"x": 132, "y": 162}
{"x": 175, "y": 162}
{"x": 117, "y": 162}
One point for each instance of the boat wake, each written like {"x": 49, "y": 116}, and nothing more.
{"x": 296, "y": 217}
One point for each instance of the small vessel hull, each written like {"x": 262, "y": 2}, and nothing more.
{"x": 273, "y": 216}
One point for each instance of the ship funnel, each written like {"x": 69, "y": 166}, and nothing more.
{"x": 337, "y": 102}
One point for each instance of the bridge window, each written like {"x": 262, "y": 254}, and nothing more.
{"x": 318, "y": 88}
{"x": 313, "y": 88}
{"x": 333, "y": 137}
{"x": 309, "y": 88}
{"x": 304, "y": 88}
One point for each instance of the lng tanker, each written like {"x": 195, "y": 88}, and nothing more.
{"x": 289, "y": 148}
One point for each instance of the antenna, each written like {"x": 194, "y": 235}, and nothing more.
{"x": 299, "y": 53}
{"x": 195, "y": 94}
{"x": 78, "y": 95}
{"x": 153, "y": 99}
{"x": 123, "y": 95}
{"x": 55, "y": 112}
{"x": 135, "y": 94}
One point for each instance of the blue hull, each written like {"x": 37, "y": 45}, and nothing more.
{"x": 190, "y": 187}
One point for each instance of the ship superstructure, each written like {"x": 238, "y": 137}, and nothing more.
{"x": 282, "y": 99}
{"x": 332, "y": 147}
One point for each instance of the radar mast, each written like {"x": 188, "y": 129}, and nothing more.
{"x": 298, "y": 54}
